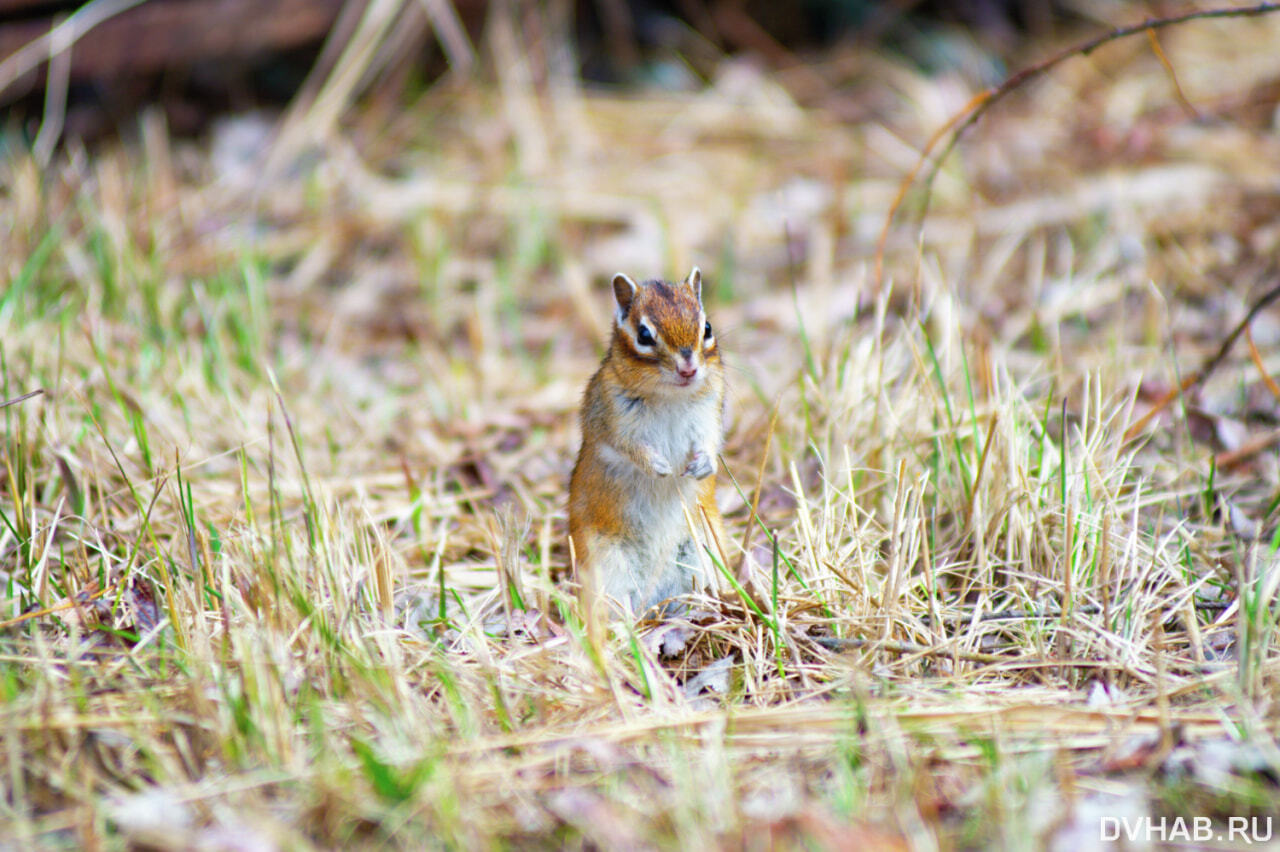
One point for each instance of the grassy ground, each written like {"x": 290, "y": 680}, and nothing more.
{"x": 283, "y": 539}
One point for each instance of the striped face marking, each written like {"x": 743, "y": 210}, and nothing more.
{"x": 664, "y": 324}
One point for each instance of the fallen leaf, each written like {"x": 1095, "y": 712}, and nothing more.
{"x": 714, "y": 678}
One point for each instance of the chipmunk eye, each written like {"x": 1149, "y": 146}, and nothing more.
{"x": 706, "y": 332}
{"x": 644, "y": 336}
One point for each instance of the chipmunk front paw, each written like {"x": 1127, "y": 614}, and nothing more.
{"x": 700, "y": 466}
{"x": 658, "y": 465}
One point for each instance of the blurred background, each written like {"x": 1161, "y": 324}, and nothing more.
{"x": 431, "y": 193}
{"x": 200, "y": 58}
{"x": 470, "y": 171}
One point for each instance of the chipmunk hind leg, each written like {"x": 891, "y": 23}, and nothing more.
{"x": 610, "y": 572}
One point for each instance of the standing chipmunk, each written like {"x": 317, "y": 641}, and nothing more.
{"x": 651, "y": 429}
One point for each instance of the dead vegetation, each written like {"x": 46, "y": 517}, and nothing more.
{"x": 283, "y": 538}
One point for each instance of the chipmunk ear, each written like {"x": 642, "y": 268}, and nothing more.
{"x": 695, "y": 281}
{"x": 624, "y": 292}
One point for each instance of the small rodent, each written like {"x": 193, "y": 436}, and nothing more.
{"x": 651, "y": 430}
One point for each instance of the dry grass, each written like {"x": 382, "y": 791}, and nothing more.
{"x": 283, "y": 539}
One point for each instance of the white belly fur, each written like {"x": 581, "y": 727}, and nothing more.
{"x": 662, "y": 559}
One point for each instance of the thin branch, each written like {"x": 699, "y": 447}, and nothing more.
{"x": 23, "y": 398}
{"x": 840, "y": 644}
{"x": 1183, "y": 100}
{"x": 959, "y": 123}
{"x": 1209, "y": 366}
{"x": 1256, "y": 356}
{"x": 85, "y": 596}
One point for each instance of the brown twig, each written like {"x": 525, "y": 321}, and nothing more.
{"x": 1052, "y": 613}
{"x": 1183, "y": 100}
{"x": 1256, "y": 356}
{"x": 85, "y": 596}
{"x": 959, "y": 123}
{"x": 23, "y": 398}
{"x": 905, "y": 186}
{"x": 1234, "y": 458}
{"x": 1209, "y": 366}
{"x": 838, "y": 644}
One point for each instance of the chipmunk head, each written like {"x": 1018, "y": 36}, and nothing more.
{"x": 663, "y": 325}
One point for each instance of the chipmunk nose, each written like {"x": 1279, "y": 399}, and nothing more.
{"x": 686, "y": 368}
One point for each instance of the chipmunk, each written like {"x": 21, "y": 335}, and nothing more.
{"x": 651, "y": 429}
